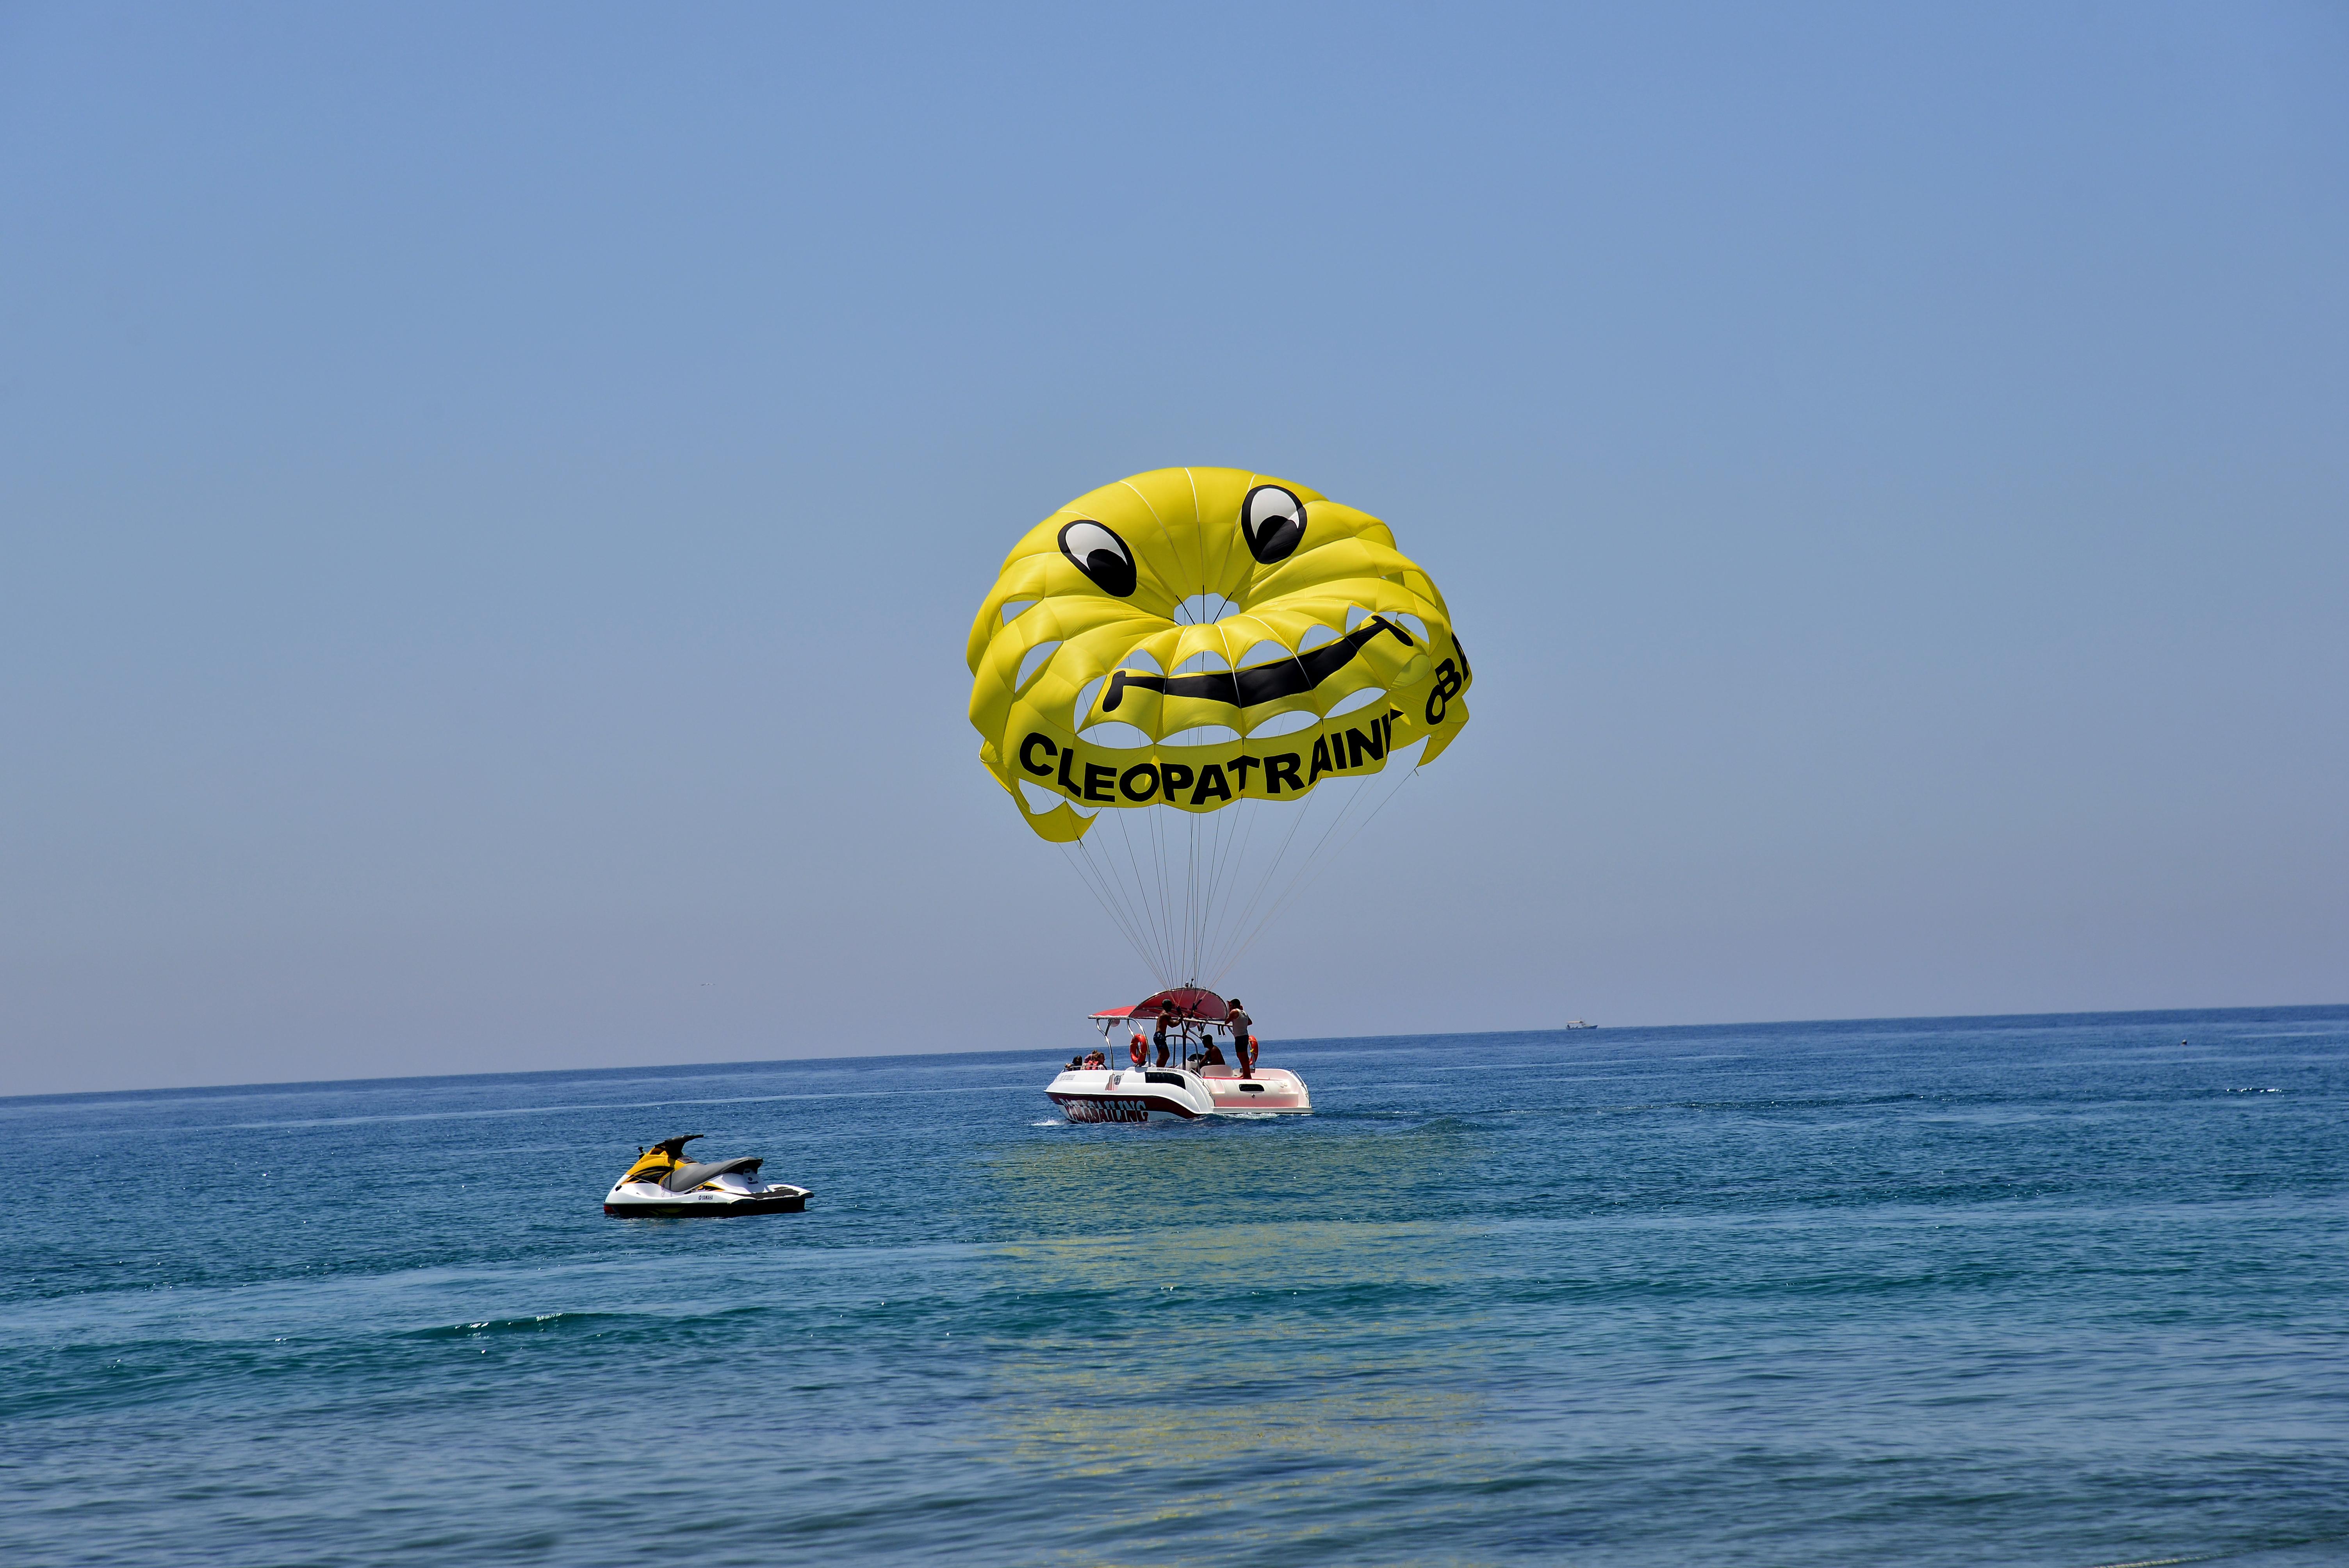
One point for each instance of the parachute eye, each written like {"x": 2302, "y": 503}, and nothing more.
{"x": 1100, "y": 555}
{"x": 1272, "y": 520}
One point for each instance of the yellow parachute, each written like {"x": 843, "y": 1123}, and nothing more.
{"x": 1197, "y": 638}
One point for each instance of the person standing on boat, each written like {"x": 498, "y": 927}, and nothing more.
{"x": 1243, "y": 1043}
{"x": 1166, "y": 1021}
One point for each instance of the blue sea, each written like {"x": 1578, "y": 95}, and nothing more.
{"x": 2068, "y": 1291}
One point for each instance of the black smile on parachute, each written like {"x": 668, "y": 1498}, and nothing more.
{"x": 1257, "y": 684}
{"x": 1187, "y": 620}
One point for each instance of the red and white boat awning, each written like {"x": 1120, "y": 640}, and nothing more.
{"x": 1190, "y": 1002}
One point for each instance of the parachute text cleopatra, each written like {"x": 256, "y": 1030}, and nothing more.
{"x": 1081, "y": 779}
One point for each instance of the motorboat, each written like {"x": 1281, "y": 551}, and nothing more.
{"x": 1578, "y": 1023}
{"x": 1194, "y": 1082}
{"x": 664, "y": 1184}
{"x": 1176, "y": 1094}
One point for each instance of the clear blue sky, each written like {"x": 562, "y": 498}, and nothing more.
{"x": 491, "y": 497}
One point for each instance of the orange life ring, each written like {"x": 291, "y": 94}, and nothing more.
{"x": 1138, "y": 1051}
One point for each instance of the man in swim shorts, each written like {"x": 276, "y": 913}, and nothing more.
{"x": 1243, "y": 1043}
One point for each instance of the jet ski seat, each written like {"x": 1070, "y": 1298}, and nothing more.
{"x": 686, "y": 1177}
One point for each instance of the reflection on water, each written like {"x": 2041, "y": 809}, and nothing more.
{"x": 1195, "y": 1365}
{"x": 1105, "y": 1179}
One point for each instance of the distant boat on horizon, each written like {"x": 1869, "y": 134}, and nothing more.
{"x": 1578, "y": 1023}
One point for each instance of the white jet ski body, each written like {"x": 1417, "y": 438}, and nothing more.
{"x": 663, "y": 1184}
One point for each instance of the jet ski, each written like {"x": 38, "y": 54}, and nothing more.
{"x": 663, "y": 1182}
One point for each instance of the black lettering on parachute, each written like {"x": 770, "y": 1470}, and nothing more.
{"x": 1447, "y": 687}
{"x": 1145, "y": 781}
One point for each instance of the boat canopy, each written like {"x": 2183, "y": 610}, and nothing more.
{"x": 1191, "y": 1005}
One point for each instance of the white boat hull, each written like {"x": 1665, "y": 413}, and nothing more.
{"x": 1172, "y": 1094}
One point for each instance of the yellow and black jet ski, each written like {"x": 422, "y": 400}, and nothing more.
{"x": 664, "y": 1182}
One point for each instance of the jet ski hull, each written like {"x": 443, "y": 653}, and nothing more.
{"x": 662, "y": 1205}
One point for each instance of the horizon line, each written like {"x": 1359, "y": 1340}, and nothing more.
{"x": 2146, "y": 1013}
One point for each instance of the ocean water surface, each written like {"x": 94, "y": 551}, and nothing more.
{"x": 2065, "y": 1291}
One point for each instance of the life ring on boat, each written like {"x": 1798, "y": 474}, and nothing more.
{"x": 1138, "y": 1051}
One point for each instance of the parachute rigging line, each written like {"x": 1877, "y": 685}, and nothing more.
{"x": 1308, "y": 872}
{"x": 1081, "y": 862}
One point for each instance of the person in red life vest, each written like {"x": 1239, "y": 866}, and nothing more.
{"x": 1243, "y": 1043}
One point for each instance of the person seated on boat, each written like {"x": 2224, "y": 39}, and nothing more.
{"x": 1213, "y": 1056}
{"x": 1243, "y": 1043}
{"x": 1076, "y": 1064}
{"x": 1096, "y": 1060}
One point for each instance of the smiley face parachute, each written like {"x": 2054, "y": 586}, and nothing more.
{"x": 1203, "y": 684}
